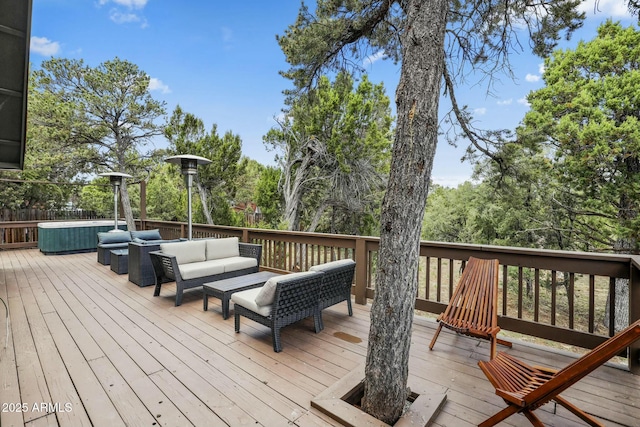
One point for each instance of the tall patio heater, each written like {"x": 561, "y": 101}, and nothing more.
{"x": 116, "y": 180}
{"x": 189, "y": 168}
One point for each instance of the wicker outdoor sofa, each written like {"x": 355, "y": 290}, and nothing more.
{"x": 193, "y": 263}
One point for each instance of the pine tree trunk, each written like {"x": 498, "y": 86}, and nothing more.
{"x": 417, "y": 98}
{"x": 126, "y": 206}
{"x": 621, "y": 289}
{"x": 204, "y": 200}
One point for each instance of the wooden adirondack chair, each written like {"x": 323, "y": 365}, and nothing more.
{"x": 525, "y": 388}
{"x": 473, "y": 307}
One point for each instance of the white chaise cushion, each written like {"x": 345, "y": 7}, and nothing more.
{"x": 333, "y": 264}
{"x": 268, "y": 291}
{"x": 222, "y": 248}
{"x": 247, "y": 299}
{"x": 238, "y": 263}
{"x": 185, "y": 252}
{"x": 201, "y": 269}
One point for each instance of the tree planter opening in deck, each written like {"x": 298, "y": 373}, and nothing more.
{"x": 342, "y": 401}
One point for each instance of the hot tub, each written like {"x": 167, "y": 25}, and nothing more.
{"x": 72, "y": 236}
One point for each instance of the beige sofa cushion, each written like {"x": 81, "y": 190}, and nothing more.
{"x": 200, "y": 269}
{"x": 329, "y": 265}
{"x": 247, "y": 299}
{"x": 238, "y": 263}
{"x": 222, "y": 248}
{"x": 185, "y": 252}
{"x": 268, "y": 291}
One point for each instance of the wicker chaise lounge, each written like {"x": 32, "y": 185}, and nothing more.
{"x": 283, "y": 300}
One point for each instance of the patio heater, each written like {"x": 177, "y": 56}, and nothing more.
{"x": 116, "y": 180}
{"x": 189, "y": 168}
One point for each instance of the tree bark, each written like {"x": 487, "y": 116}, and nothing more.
{"x": 417, "y": 99}
{"x": 204, "y": 200}
{"x": 126, "y": 206}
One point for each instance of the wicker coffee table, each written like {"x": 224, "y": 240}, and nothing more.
{"x": 223, "y": 289}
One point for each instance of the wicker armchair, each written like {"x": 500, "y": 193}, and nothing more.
{"x": 296, "y": 297}
{"x": 337, "y": 283}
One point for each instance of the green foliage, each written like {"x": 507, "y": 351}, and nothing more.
{"x": 268, "y": 196}
{"x": 217, "y": 181}
{"x": 334, "y": 147}
{"x": 166, "y": 194}
{"x": 589, "y": 113}
{"x": 247, "y": 182}
{"x": 98, "y": 198}
{"x": 46, "y": 162}
{"x": 97, "y": 119}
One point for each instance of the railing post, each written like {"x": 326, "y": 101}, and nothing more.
{"x": 245, "y": 235}
{"x": 143, "y": 200}
{"x": 361, "y": 271}
{"x": 634, "y": 312}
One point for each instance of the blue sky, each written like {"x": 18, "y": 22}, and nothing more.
{"x": 220, "y": 60}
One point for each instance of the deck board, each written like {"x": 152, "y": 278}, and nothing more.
{"x": 81, "y": 334}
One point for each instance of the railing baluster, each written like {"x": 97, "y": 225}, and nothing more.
{"x": 428, "y": 281}
{"x": 439, "y": 281}
{"x": 571, "y": 298}
{"x": 536, "y": 297}
{"x": 520, "y": 279}
{"x": 592, "y": 298}
{"x": 505, "y": 277}
{"x": 612, "y": 306}
{"x": 554, "y": 278}
{"x": 450, "y": 279}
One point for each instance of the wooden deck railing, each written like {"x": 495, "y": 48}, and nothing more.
{"x": 562, "y": 296}
{"x": 18, "y": 234}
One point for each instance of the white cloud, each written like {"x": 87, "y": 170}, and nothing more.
{"x": 44, "y": 46}
{"x": 124, "y": 12}
{"x": 480, "y": 111}
{"x": 156, "y": 84}
{"x": 524, "y": 102}
{"x": 123, "y": 17}
{"x": 130, "y": 4}
{"x": 532, "y": 78}
{"x": 613, "y": 8}
{"x": 506, "y": 102}
{"x": 541, "y": 68}
{"x": 371, "y": 59}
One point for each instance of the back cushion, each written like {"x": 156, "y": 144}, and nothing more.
{"x": 147, "y": 234}
{"x": 333, "y": 264}
{"x": 185, "y": 252}
{"x": 222, "y": 248}
{"x": 115, "y": 237}
{"x": 268, "y": 291}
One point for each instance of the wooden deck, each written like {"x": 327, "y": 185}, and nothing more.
{"x": 88, "y": 347}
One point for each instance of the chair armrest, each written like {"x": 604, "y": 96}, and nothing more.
{"x": 165, "y": 266}
{"x": 251, "y": 250}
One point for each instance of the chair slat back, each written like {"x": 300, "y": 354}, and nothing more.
{"x": 475, "y": 299}
{"x": 583, "y": 366}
